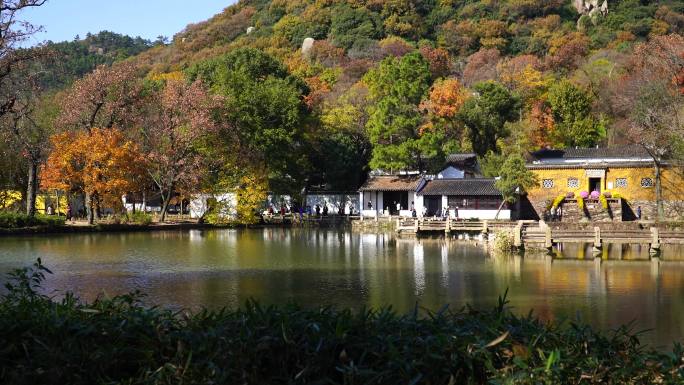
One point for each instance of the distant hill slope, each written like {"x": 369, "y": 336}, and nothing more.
{"x": 559, "y": 58}
{"x": 513, "y": 27}
{"x": 71, "y": 60}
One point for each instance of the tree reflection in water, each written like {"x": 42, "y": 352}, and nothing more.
{"x": 323, "y": 267}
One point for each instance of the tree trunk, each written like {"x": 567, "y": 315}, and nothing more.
{"x": 165, "y": 205}
{"x": 31, "y": 189}
{"x": 144, "y": 201}
{"x": 96, "y": 204}
{"x": 503, "y": 202}
{"x": 89, "y": 208}
{"x": 659, "y": 193}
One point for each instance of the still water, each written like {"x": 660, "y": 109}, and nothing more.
{"x": 314, "y": 267}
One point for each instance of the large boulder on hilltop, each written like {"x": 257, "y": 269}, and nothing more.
{"x": 590, "y": 7}
{"x": 589, "y": 10}
{"x": 307, "y": 44}
{"x": 579, "y": 6}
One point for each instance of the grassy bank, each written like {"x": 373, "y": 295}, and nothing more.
{"x": 103, "y": 228}
{"x": 12, "y": 220}
{"x": 12, "y": 223}
{"x": 118, "y": 340}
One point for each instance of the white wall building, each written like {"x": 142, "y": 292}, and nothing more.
{"x": 454, "y": 191}
{"x": 385, "y": 195}
{"x": 202, "y": 203}
{"x": 348, "y": 202}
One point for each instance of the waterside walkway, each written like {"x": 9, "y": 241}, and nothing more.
{"x": 542, "y": 235}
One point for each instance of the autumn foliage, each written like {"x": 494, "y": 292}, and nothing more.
{"x": 177, "y": 117}
{"x": 542, "y": 128}
{"x": 104, "y": 98}
{"x": 446, "y": 98}
{"x": 481, "y": 66}
{"x": 438, "y": 59}
{"x": 101, "y": 163}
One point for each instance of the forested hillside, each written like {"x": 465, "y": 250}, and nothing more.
{"x": 392, "y": 82}
{"x": 70, "y": 60}
{"x": 299, "y": 94}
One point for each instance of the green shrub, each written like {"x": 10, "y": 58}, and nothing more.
{"x": 219, "y": 213}
{"x": 117, "y": 340}
{"x": 580, "y": 202}
{"x": 13, "y": 220}
{"x": 504, "y": 242}
{"x": 139, "y": 217}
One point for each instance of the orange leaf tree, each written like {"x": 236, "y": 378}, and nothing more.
{"x": 542, "y": 130}
{"x": 100, "y": 163}
{"x": 445, "y": 100}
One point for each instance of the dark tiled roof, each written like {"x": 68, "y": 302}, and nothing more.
{"x": 585, "y": 165}
{"x": 617, "y": 152}
{"x": 461, "y": 158}
{"x": 392, "y": 183}
{"x": 463, "y": 187}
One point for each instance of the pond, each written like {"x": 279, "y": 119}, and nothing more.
{"x": 215, "y": 268}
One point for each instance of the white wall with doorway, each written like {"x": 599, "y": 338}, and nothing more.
{"x": 375, "y": 197}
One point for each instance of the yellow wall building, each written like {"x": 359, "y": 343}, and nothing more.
{"x": 627, "y": 171}
{"x": 10, "y": 198}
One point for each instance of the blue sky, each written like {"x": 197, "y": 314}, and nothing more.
{"x": 64, "y": 19}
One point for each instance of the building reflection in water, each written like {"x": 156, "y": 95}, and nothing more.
{"x": 418, "y": 268}
{"x": 316, "y": 267}
{"x": 445, "y": 262}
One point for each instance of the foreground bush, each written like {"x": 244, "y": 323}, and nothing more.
{"x": 119, "y": 341}
{"x": 12, "y": 220}
{"x": 139, "y": 217}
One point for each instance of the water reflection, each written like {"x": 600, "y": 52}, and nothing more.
{"x": 224, "y": 268}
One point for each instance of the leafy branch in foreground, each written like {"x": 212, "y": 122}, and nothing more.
{"x": 118, "y": 340}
